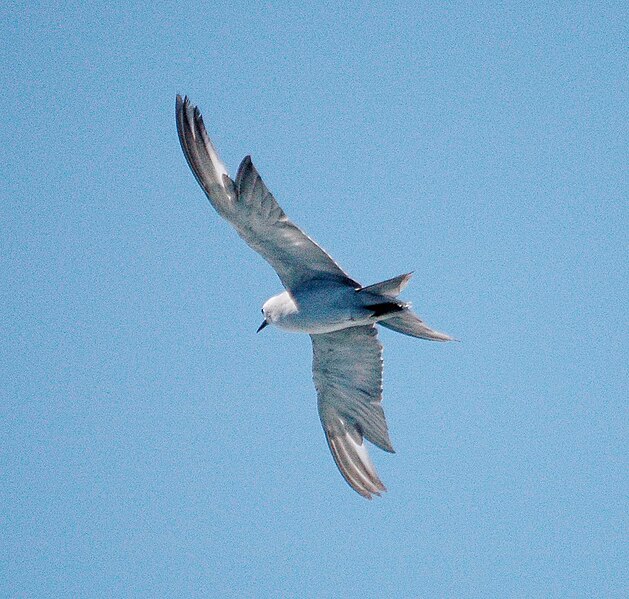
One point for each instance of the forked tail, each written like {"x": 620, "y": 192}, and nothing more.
{"x": 391, "y": 287}
{"x": 410, "y": 324}
{"x": 404, "y": 321}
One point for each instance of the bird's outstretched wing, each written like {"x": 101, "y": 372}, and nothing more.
{"x": 251, "y": 208}
{"x": 347, "y": 372}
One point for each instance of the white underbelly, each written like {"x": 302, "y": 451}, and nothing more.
{"x": 295, "y": 324}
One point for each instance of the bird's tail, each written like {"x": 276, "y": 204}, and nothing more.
{"x": 401, "y": 319}
{"x": 391, "y": 287}
{"x": 410, "y": 324}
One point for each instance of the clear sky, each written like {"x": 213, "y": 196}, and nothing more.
{"x": 152, "y": 445}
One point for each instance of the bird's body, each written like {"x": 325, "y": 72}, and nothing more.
{"x": 320, "y": 299}
{"x": 326, "y": 306}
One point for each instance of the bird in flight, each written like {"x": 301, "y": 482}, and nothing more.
{"x": 320, "y": 299}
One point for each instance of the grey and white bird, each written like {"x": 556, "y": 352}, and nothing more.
{"x": 319, "y": 299}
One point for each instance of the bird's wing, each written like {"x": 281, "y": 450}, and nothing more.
{"x": 251, "y": 208}
{"x": 347, "y": 372}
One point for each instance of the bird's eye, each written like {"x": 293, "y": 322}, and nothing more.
{"x": 262, "y": 310}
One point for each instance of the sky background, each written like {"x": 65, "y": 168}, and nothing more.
{"x": 152, "y": 445}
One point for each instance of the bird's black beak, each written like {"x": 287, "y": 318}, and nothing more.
{"x": 264, "y": 323}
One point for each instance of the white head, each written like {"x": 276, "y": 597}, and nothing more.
{"x": 277, "y": 308}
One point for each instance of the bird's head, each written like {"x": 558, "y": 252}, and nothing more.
{"x": 277, "y": 309}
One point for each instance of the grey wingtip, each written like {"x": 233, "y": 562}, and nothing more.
{"x": 178, "y": 106}
{"x": 245, "y": 162}
{"x": 246, "y": 166}
{"x": 383, "y": 442}
{"x": 358, "y": 474}
{"x": 448, "y": 338}
{"x": 181, "y": 103}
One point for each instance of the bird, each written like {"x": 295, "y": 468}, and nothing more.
{"x": 319, "y": 299}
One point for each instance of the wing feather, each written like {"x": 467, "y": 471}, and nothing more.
{"x": 347, "y": 372}
{"x": 251, "y": 209}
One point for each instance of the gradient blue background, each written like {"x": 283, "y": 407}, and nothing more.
{"x": 154, "y": 446}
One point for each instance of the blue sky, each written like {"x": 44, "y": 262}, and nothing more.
{"x": 154, "y": 446}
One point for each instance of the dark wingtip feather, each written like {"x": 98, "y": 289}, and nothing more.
{"x": 357, "y": 474}
{"x": 245, "y": 162}
{"x": 246, "y": 169}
